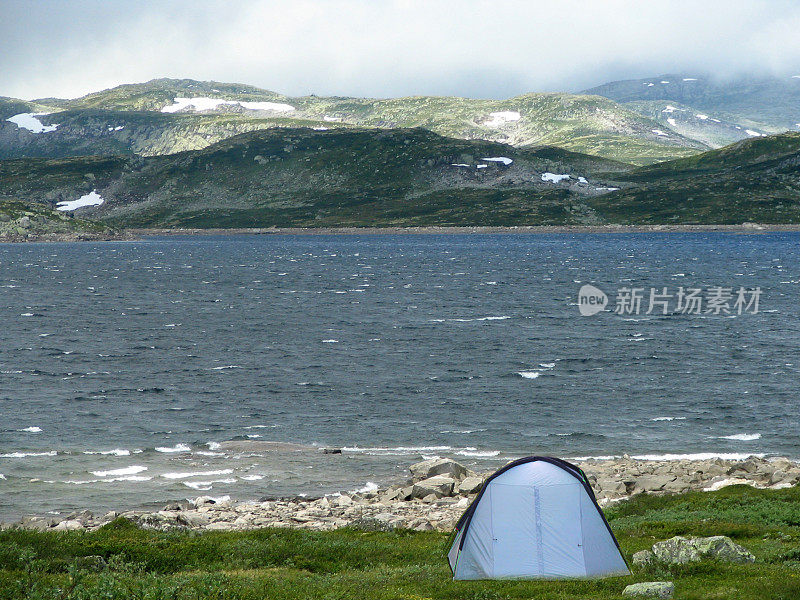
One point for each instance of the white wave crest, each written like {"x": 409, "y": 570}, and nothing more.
{"x": 132, "y": 470}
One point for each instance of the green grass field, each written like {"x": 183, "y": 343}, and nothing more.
{"x": 122, "y": 561}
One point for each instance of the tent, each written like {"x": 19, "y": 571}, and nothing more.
{"x": 537, "y": 517}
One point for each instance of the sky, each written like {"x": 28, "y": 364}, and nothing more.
{"x": 383, "y": 48}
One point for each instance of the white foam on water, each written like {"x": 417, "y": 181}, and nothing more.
{"x": 398, "y": 451}
{"x": 479, "y": 453}
{"x": 670, "y": 457}
{"x": 108, "y": 480}
{"x": 205, "y": 103}
{"x": 196, "y": 474}
{"x": 32, "y": 429}
{"x": 547, "y": 365}
{"x": 213, "y": 445}
{"x": 90, "y": 199}
{"x": 330, "y": 341}
{"x": 668, "y": 419}
{"x": 27, "y": 454}
{"x": 31, "y": 123}
{"x": 502, "y": 159}
{"x": 370, "y": 486}
{"x": 742, "y": 437}
{"x": 698, "y": 456}
{"x": 252, "y": 477}
{"x": 206, "y": 485}
{"x": 529, "y": 374}
{"x": 226, "y": 367}
{"x": 114, "y": 452}
{"x": 175, "y": 448}
{"x": 132, "y": 470}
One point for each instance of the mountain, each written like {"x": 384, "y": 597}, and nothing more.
{"x": 165, "y": 116}
{"x": 405, "y": 177}
{"x": 711, "y": 110}
{"x": 303, "y": 177}
{"x": 755, "y": 180}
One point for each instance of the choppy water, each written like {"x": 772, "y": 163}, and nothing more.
{"x": 123, "y": 365}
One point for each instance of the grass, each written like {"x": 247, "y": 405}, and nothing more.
{"x": 122, "y": 561}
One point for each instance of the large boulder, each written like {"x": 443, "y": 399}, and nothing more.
{"x": 723, "y": 548}
{"x": 680, "y": 550}
{"x": 470, "y": 485}
{"x": 650, "y": 589}
{"x": 438, "y": 485}
{"x": 437, "y": 466}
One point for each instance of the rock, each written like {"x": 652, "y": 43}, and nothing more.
{"x": 439, "y": 485}
{"x": 650, "y": 589}
{"x": 642, "y": 558}
{"x": 470, "y": 485}
{"x": 437, "y": 466}
{"x": 723, "y": 548}
{"x": 676, "y": 551}
{"x": 653, "y": 483}
{"x": 331, "y": 450}
{"x": 680, "y": 550}
{"x": 69, "y": 525}
{"x": 612, "y": 486}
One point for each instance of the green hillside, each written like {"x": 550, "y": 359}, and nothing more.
{"x": 303, "y": 177}
{"x": 405, "y": 177}
{"x": 128, "y": 119}
{"x": 755, "y": 180}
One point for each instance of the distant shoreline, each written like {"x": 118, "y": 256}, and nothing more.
{"x": 433, "y": 230}
{"x": 134, "y": 234}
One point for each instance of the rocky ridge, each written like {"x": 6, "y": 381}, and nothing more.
{"x": 436, "y": 494}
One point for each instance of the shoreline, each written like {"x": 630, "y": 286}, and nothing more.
{"x": 433, "y": 497}
{"x": 476, "y": 229}
{"x": 138, "y": 234}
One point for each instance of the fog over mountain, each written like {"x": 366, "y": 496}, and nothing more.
{"x": 479, "y": 49}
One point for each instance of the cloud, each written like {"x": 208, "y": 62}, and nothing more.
{"x": 388, "y": 48}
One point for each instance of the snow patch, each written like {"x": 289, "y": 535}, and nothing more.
{"x": 204, "y": 103}
{"x": 554, "y": 177}
{"x": 332, "y": 119}
{"x": 658, "y": 132}
{"x": 672, "y": 122}
{"x": 702, "y": 117}
{"x": 500, "y": 118}
{"x": 752, "y": 133}
{"x": 582, "y": 180}
{"x": 503, "y": 159}
{"x": 606, "y": 189}
{"x": 31, "y": 123}
{"x": 90, "y": 199}
{"x": 665, "y": 82}
{"x": 689, "y": 79}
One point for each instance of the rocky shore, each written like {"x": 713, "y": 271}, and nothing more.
{"x": 435, "y": 495}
